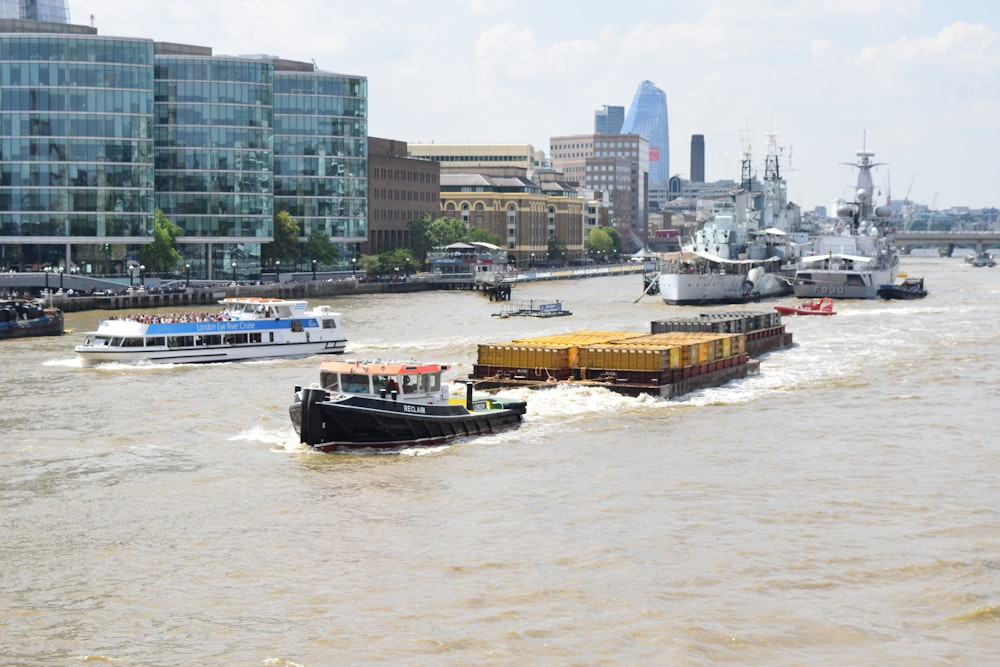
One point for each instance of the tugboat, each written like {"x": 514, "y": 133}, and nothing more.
{"x": 390, "y": 405}
{"x": 21, "y": 318}
{"x": 246, "y": 328}
{"x": 910, "y": 288}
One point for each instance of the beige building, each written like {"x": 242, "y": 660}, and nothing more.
{"x": 472, "y": 158}
{"x": 400, "y": 189}
{"x": 522, "y": 212}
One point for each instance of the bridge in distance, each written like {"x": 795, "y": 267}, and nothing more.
{"x": 948, "y": 241}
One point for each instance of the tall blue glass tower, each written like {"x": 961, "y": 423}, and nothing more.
{"x": 53, "y": 11}
{"x": 648, "y": 117}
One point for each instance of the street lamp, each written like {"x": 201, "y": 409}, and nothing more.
{"x": 60, "y": 278}
{"x": 532, "y": 264}
{"x": 187, "y": 276}
{"x": 142, "y": 275}
{"x": 354, "y": 266}
{"x": 277, "y": 271}
{"x": 131, "y": 275}
{"x": 47, "y": 270}
{"x": 234, "y": 272}
{"x": 314, "y": 270}
{"x": 397, "y": 273}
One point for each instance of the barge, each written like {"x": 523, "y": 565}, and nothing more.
{"x": 677, "y": 357}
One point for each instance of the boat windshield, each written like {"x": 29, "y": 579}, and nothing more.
{"x": 355, "y": 383}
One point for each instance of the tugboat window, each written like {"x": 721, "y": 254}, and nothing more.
{"x": 356, "y": 383}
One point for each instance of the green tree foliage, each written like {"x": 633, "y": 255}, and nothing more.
{"x": 481, "y": 235}
{"x": 400, "y": 258}
{"x": 420, "y": 242}
{"x": 161, "y": 255}
{"x": 319, "y": 248}
{"x": 369, "y": 265}
{"x": 616, "y": 239}
{"x": 427, "y": 234}
{"x": 556, "y": 250}
{"x": 445, "y": 231}
{"x": 599, "y": 242}
{"x": 285, "y": 246}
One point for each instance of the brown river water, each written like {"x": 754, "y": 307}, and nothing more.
{"x": 840, "y": 508}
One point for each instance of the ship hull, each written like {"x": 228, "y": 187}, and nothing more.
{"x": 376, "y": 423}
{"x": 814, "y": 284}
{"x": 687, "y": 289}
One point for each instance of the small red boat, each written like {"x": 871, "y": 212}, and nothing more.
{"x": 823, "y": 306}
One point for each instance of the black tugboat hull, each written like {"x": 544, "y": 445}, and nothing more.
{"x": 372, "y": 423}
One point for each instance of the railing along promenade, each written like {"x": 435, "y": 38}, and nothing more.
{"x": 93, "y": 294}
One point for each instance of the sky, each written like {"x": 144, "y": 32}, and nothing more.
{"x": 916, "y": 82}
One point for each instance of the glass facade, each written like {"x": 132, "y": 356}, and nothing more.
{"x": 609, "y": 120}
{"x": 97, "y": 133}
{"x": 53, "y": 11}
{"x": 76, "y": 146}
{"x": 321, "y": 154}
{"x": 213, "y": 132}
{"x": 647, "y": 116}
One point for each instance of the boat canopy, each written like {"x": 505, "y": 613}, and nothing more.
{"x": 722, "y": 260}
{"x": 837, "y": 255}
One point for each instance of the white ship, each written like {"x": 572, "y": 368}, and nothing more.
{"x": 246, "y": 328}
{"x": 742, "y": 253}
{"x": 854, "y": 262}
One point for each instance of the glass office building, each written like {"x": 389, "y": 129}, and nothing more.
{"x": 647, "y": 116}
{"x": 53, "y": 11}
{"x": 97, "y": 133}
{"x": 214, "y": 180}
{"x": 609, "y": 120}
{"x": 76, "y": 148}
{"x": 321, "y": 153}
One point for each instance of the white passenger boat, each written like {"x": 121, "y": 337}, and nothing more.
{"x": 246, "y": 328}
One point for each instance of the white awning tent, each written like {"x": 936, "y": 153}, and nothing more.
{"x": 836, "y": 255}
{"x": 722, "y": 260}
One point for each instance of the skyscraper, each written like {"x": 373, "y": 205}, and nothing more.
{"x": 53, "y": 11}
{"x": 697, "y": 158}
{"x": 609, "y": 120}
{"x": 648, "y": 117}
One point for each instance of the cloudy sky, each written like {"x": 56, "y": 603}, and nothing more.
{"x": 917, "y": 80}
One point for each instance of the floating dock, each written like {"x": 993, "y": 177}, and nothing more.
{"x": 534, "y": 309}
{"x": 678, "y": 356}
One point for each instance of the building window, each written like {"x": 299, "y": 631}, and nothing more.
{"x": 511, "y": 214}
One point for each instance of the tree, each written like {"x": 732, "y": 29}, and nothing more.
{"x": 445, "y": 231}
{"x": 556, "y": 250}
{"x": 319, "y": 248}
{"x": 369, "y": 264}
{"x": 481, "y": 235}
{"x": 400, "y": 258}
{"x": 616, "y": 238}
{"x": 285, "y": 246}
{"x": 419, "y": 240}
{"x": 161, "y": 255}
{"x": 599, "y": 242}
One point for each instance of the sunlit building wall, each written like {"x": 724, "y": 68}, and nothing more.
{"x": 213, "y": 156}
{"x": 76, "y": 147}
{"x": 321, "y": 153}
